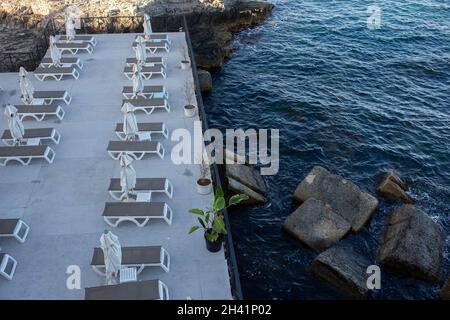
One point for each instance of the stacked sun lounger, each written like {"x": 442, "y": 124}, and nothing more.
{"x": 11, "y": 228}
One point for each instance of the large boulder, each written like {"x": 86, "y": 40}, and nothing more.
{"x": 343, "y": 196}
{"x": 341, "y": 267}
{"x": 392, "y": 187}
{"x": 412, "y": 244}
{"x": 255, "y": 198}
{"x": 316, "y": 225}
{"x": 445, "y": 291}
{"x": 246, "y": 175}
{"x": 205, "y": 80}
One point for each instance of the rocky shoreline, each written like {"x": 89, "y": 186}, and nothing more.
{"x": 212, "y": 23}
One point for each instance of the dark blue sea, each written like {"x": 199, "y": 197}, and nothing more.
{"x": 354, "y": 100}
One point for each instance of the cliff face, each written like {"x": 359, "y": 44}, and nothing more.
{"x": 212, "y": 23}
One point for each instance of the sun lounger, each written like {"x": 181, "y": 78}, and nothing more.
{"x": 147, "y": 72}
{"x": 56, "y": 73}
{"x": 39, "y": 133}
{"x": 135, "y": 257}
{"x": 137, "y": 212}
{"x": 148, "y": 105}
{"x": 39, "y": 112}
{"x": 152, "y": 46}
{"x": 24, "y": 154}
{"x": 65, "y": 62}
{"x": 149, "y": 92}
{"x": 145, "y": 127}
{"x": 155, "y": 37}
{"x": 148, "y": 61}
{"x": 74, "y": 47}
{"x": 14, "y": 228}
{"x": 48, "y": 97}
{"x": 143, "y": 185}
{"x": 138, "y": 290}
{"x": 84, "y": 38}
{"x": 136, "y": 149}
{"x": 7, "y": 265}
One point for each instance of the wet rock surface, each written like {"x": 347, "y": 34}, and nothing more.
{"x": 392, "y": 187}
{"x": 316, "y": 225}
{"x": 412, "y": 244}
{"x": 343, "y": 196}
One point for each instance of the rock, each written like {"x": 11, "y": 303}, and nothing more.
{"x": 314, "y": 224}
{"x": 344, "y": 269}
{"x": 254, "y": 197}
{"x": 393, "y": 187}
{"x": 343, "y": 196}
{"x": 246, "y": 175}
{"x": 412, "y": 244}
{"x": 205, "y": 79}
{"x": 445, "y": 291}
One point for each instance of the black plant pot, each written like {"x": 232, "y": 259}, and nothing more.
{"x": 214, "y": 246}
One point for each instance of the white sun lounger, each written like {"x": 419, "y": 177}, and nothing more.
{"x": 137, "y": 290}
{"x": 48, "y": 97}
{"x": 137, "y": 212}
{"x": 147, "y": 72}
{"x": 74, "y": 47}
{"x": 143, "y": 185}
{"x": 39, "y": 133}
{"x": 152, "y": 46}
{"x": 149, "y": 61}
{"x": 155, "y": 37}
{"x": 7, "y": 265}
{"x": 149, "y": 92}
{"x": 24, "y": 154}
{"x": 134, "y": 257}
{"x": 15, "y": 228}
{"x": 39, "y": 112}
{"x": 64, "y": 61}
{"x": 84, "y": 38}
{"x": 56, "y": 73}
{"x": 136, "y": 149}
{"x": 148, "y": 105}
{"x": 147, "y": 128}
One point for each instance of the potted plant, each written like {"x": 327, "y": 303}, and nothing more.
{"x": 189, "y": 108}
{"x": 185, "y": 62}
{"x": 204, "y": 183}
{"x": 211, "y": 221}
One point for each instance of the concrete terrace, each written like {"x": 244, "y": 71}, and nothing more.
{"x": 63, "y": 202}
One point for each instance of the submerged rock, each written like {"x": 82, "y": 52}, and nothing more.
{"x": 393, "y": 187}
{"x": 245, "y": 179}
{"x": 344, "y": 269}
{"x": 205, "y": 80}
{"x": 412, "y": 244}
{"x": 316, "y": 225}
{"x": 343, "y": 196}
{"x": 445, "y": 291}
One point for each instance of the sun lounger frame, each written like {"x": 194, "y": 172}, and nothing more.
{"x": 39, "y": 114}
{"x": 48, "y": 155}
{"x": 138, "y": 155}
{"x": 148, "y": 109}
{"x": 114, "y": 221}
{"x": 41, "y": 76}
{"x": 66, "y": 97}
{"x": 20, "y": 231}
{"x": 163, "y": 291}
{"x": 164, "y": 131}
{"x": 84, "y": 38}
{"x": 146, "y": 95}
{"x": 47, "y": 62}
{"x": 4, "y": 262}
{"x": 53, "y": 136}
{"x": 74, "y": 49}
{"x": 117, "y": 194}
{"x": 147, "y": 75}
{"x": 164, "y": 263}
{"x": 152, "y": 46}
{"x": 149, "y": 61}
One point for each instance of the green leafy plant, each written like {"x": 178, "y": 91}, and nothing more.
{"x": 211, "y": 220}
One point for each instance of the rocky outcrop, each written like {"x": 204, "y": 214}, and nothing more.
{"x": 316, "y": 225}
{"x": 393, "y": 187}
{"x": 344, "y": 269}
{"x": 445, "y": 291}
{"x": 205, "y": 80}
{"x": 211, "y": 23}
{"x": 245, "y": 179}
{"x": 412, "y": 244}
{"x": 343, "y": 196}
